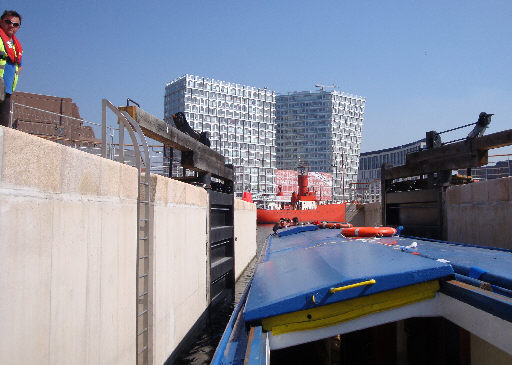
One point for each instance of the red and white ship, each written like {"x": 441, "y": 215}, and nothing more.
{"x": 304, "y": 205}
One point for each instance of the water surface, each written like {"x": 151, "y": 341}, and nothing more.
{"x": 204, "y": 344}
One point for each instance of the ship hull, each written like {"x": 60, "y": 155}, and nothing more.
{"x": 327, "y": 212}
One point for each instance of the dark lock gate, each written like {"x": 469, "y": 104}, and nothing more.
{"x": 221, "y": 261}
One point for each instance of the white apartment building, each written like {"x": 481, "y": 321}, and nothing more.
{"x": 370, "y": 168}
{"x": 321, "y": 129}
{"x": 240, "y": 122}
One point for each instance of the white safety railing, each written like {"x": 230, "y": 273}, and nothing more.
{"x": 86, "y": 136}
{"x": 64, "y": 129}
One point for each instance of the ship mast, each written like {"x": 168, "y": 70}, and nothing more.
{"x": 302, "y": 180}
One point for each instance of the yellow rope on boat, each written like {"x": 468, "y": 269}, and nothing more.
{"x": 362, "y": 283}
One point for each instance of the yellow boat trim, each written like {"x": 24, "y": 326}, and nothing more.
{"x": 335, "y": 313}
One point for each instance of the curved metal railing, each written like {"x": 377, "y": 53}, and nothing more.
{"x": 143, "y": 261}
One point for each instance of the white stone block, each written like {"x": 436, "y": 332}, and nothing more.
{"x": 69, "y": 283}
{"x": 26, "y": 239}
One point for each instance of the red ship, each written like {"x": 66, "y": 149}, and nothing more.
{"x": 303, "y": 205}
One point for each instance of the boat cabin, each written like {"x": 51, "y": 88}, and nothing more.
{"x": 306, "y": 205}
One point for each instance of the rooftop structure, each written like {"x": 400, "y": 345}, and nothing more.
{"x": 321, "y": 129}
{"x": 51, "y": 117}
{"x": 240, "y": 122}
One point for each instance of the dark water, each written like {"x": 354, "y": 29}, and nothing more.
{"x": 204, "y": 344}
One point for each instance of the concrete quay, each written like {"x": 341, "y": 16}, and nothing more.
{"x": 68, "y": 223}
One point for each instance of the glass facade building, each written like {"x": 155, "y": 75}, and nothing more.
{"x": 240, "y": 121}
{"x": 498, "y": 170}
{"x": 322, "y": 130}
{"x": 370, "y": 168}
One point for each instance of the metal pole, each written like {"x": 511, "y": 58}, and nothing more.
{"x": 336, "y": 173}
{"x": 343, "y": 174}
{"x": 333, "y": 183}
{"x": 11, "y": 114}
{"x": 104, "y": 128}
{"x": 121, "y": 142}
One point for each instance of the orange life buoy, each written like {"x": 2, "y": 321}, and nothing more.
{"x": 368, "y": 232}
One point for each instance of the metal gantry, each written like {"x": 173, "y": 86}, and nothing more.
{"x": 419, "y": 204}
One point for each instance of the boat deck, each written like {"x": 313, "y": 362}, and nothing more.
{"x": 297, "y": 266}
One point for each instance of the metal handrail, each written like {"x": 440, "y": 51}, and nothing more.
{"x": 136, "y": 126}
{"x": 24, "y": 113}
{"x": 57, "y": 114}
{"x": 143, "y": 244}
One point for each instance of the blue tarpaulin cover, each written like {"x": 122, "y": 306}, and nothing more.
{"x": 297, "y": 266}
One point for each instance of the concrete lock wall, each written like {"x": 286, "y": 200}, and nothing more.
{"x": 67, "y": 235}
{"x": 180, "y": 238}
{"x": 179, "y": 235}
{"x": 68, "y": 226}
{"x": 245, "y": 235}
{"x": 373, "y": 214}
{"x": 364, "y": 215}
{"x": 354, "y": 214}
{"x": 480, "y": 213}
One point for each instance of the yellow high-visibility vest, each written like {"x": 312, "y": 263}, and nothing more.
{"x": 3, "y": 61}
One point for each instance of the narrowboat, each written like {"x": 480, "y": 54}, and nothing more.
{"x": 330, "y": 296}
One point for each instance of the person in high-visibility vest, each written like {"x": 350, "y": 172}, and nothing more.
{"x": 10, "y": 60}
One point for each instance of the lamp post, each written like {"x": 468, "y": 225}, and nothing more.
{"x": 335, "y": 165}
{"x": 335, "y": 178}
{"x": 342, "y": 174}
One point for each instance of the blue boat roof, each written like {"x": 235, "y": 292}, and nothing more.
{"x": 304, "y": 261}
{"x": 493, "y": 265}
{"x": 298, "y": 266}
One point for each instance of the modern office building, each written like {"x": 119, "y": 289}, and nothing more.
{"x": 240, "y": 122}
{"x": 498, "y": 170}
{"x": 321, "y": 129}
{"x": 368, "y": 178}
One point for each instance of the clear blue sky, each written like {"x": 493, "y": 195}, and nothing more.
{"x": 422, "y": 65}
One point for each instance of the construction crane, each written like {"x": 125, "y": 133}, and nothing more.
{"x": 323, "y": 87}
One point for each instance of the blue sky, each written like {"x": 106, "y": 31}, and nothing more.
{"x": 421, "y": 65}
